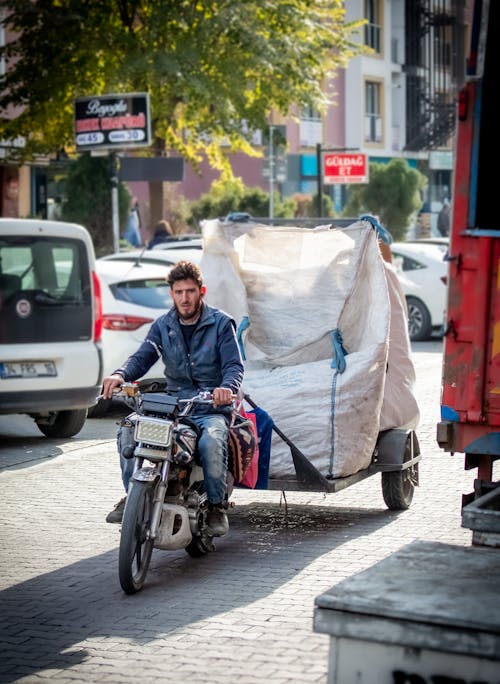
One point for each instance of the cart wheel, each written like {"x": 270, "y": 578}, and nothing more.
{"x": 398, "y": 488}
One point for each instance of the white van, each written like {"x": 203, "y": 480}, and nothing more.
{"x": 50, "y": 324}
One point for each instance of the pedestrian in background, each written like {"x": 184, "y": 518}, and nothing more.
{"x": 132, "y": 232}
{"x": 443, "y": 222}
{"x": 162, "y": 233}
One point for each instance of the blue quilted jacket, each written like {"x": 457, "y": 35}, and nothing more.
{"x": 213, "y": 360}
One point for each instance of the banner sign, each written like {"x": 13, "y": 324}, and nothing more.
{"x": 112, "y": 121}
{"x": 345, "y": 168}
{"x": 156, "y": 169}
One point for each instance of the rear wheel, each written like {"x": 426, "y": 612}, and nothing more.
{"x": 201, "y": 543}
{"x": 63, "y": 424}
{"x": 398, "y": 489}
{"x": 200, "y": 546}
{"x": 136, "y": 546}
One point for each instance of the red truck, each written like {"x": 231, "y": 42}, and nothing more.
{"x": 470, "y": 401}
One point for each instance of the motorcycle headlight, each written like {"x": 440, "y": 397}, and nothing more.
{"x": 154, "y": 431}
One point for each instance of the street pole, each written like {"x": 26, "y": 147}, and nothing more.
{"x": 320, "y": 180}
{"x": 271, "y": 173}
{"x": 114, "y": 203}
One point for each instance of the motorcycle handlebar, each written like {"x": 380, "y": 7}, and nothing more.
{"x": 200, "y": 398}
{"x": 130, "y": 389}
{"x": 204, "y": 397}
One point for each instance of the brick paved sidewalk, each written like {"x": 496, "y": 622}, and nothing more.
{"x": 242, "y": 614}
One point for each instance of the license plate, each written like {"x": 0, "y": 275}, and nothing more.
{"x": 27, "y": 369}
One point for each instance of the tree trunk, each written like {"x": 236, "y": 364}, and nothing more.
{"x": 156, "y": 198}
{"x": 155, "y": 203}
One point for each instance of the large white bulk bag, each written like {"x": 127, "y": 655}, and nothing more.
{"x": 293, "y": 291}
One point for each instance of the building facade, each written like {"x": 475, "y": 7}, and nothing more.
{"x": 397, "y": 101}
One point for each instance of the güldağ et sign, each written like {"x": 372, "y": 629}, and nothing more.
{"x": 112, "y": 121}
{"x": 345, "y": 168}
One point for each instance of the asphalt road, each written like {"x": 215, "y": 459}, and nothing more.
{"x": 242, "y": 614}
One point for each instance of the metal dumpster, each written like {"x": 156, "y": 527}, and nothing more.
{"x": 428, "y": 613}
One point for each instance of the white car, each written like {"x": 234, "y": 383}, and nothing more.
{"x": 423, "y": 272}
{"x": 442, "y": 242}
{"x": 133, "y": 296}
{"x": 194, "y": 241}
{"x": 163, "y": 254}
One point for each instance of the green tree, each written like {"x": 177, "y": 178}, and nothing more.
{"x": 214, "y": 69}
{"x": 230, "y": 195}
{"x": 392, "y": 194}
{"x": 307, "y": 206}
{"x": 88, "y": 188}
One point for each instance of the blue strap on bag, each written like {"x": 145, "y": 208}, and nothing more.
{"x": 245, "y": 323}
{"x": 339, "y": 351}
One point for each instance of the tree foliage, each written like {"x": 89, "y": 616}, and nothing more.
{"x": 214, "y": 69}
{"x": 392, "y": 194}
{"x": 230, "y": 195}
{"x": 88, "y": 187}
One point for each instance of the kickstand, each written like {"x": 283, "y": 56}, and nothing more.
{"x": 283, "y": 498}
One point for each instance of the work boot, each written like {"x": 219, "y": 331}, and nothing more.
{"x": 116, "y": 515}
{"x": 217, "y": 521}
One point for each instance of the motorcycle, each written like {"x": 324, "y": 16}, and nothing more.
{"x": 167, "y": 504}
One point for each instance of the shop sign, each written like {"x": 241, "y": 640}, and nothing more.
{"x": 112, "y": 121}
{"x": 345, "y": 168}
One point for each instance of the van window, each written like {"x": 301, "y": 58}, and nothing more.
{"x": 45, "y": 290}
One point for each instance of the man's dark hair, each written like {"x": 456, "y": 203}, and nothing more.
{"x": 185, "y": 270}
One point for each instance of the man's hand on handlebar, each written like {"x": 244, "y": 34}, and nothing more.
{"x": 222, "y": 396}
{"x": 109, "y": 384}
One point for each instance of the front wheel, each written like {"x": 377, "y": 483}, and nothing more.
{"x": 398, "y": 488}
{"x": 136, "y": 546}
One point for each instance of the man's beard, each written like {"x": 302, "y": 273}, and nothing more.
{"x": 192, "y": 318}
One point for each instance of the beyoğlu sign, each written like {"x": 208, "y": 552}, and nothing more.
{"x": 112, "y": 121}
{"x": 345, "y": 168}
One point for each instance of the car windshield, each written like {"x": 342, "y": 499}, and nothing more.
{"x": 151, "y": 292}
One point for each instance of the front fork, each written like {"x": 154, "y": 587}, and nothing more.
{"x": 159, "y": 498}
{"x": 159, "y": 490}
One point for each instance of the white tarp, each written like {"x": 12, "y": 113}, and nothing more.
{"x": 295, "y": 287}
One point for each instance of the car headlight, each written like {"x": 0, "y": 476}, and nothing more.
{"x": 154, "y": 431}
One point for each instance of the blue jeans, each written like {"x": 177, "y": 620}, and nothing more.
{"x": 125, "y": 440}
{"x": 212, "y": 447}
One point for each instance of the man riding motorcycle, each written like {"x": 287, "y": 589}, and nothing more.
{"x": 198, "y": 345}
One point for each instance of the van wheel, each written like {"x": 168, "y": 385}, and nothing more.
{"x": 63, "y": 423}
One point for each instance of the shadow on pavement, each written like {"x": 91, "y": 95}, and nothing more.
{"x": 49, "y": 618}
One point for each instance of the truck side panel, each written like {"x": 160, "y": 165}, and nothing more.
{"x": 470, "y": 403}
